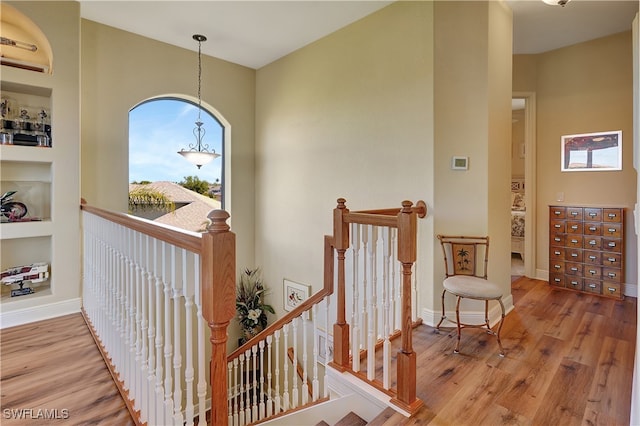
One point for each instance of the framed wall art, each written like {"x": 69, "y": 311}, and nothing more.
{"x": 294, "y": 294}
{"x": 592, "y": 152}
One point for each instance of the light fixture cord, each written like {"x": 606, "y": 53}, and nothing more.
{"x": 199, "y": 77}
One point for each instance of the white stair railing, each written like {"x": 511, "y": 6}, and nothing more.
{"x": 144, "y": 301}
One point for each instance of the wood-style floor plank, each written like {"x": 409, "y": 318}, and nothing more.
{"x": 53, "y": 369}
{"x": 569, "y": 360}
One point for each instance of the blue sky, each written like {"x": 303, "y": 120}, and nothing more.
{"x": 158, "y": 130}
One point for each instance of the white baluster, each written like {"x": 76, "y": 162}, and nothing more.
{"x": 247, "y": 382}
{"x": 158, "y": 249}
{"x": 356, "y": 314}
{"x": 305, "y": 384}
{"x": 269, "y": 364}
{"x": 315, "y": 383}
{"x": 372, "y": 309}
{"x": 230, "y": 407}
{"x": 254, "y": 400}
{"x": 202, "y": 361}
{"x": 294, "y": 375}
{"x": 261, "y": 407}
{"x": 364, "y": 319}
{"x": 241, "y": 392}
{"x": 278, "y": 399}
{"x": 168, "y": 254}
{"x": 396, "y": 282}
{"x": 285, "y": 368}
{"x": 187, "y": 292}
{"x": 177, "y": 355}
{"x": 236, "y": 393}
{"x": 327, "y": 354}
{"x": 386, "y": 348}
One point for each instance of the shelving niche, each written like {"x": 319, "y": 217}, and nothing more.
{"x": 46, "y": 178}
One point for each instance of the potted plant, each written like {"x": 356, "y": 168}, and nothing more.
{"x": 252, "y": 311}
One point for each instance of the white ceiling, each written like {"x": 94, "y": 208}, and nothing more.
{"x": 255, "y": 33}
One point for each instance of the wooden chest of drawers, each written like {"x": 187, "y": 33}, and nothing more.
{"x": 586, "y": 249}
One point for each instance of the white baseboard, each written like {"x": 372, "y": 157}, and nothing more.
{"x": 39, "y": 313}
{"x": 432, "y": 317}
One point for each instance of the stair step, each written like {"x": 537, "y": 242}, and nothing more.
{"x": 351, "y": 419}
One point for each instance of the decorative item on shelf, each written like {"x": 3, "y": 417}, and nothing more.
{"x": 199, "y": 153}
{"x": 13, "y": 211}
{"x": 250, "y": 305}
{"x": 22, "y": 277}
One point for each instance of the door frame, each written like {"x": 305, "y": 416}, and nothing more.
{"x": 530, "y": 181}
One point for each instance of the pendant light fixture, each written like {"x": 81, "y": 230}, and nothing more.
{"x": 199, "y": 153}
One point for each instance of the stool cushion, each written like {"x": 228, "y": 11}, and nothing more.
{"x": 472, "y": 287}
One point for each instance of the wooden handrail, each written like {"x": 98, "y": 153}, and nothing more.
{"x": 298, "y": 310}
{"x": 178, "y": 237}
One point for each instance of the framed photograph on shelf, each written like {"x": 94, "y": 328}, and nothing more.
{"x": 591, "y": 152}
{"x": 294, "y": 294}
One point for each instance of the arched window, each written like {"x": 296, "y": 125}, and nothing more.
{"x": 158, "y": 129}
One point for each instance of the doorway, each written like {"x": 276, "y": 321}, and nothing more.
{"x": 524, "y": 192}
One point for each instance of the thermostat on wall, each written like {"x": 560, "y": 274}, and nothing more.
{"x": 459, "y": 163}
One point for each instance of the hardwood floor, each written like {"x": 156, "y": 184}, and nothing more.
{"x": 52, "y": 373}
{"x": 569, "y": 360}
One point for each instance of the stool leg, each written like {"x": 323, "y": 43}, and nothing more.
{"x": 443, "y": 315}
{"x": 457, "y": 349}
{"x": 500, "y": 328}
{"x": 486, "y": 316}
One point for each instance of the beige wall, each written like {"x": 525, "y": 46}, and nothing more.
{"x": 362, "y": 114}
{"x": 348, "y": 116}
{"x": 473, "y": 118}
{"x": 581, "y": 89}
{"x": 120, "y": 70}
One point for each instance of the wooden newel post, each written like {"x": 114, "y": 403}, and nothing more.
{"x": 341, "y": 328}
{"x": 218, "y": 270}
{"x": 407, "y": 248}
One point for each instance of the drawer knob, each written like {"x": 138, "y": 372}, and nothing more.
{"x": 556, "y": 212}
{"x": 557, "y": 226}
{"x": 611, "y": 229}
{"x": 574, "y": 269}
{"x": 592, "y": 214}
{"x": 612, "y": 215}
{"x": 557, "y": 280}
{"x": 592, "y": 228}
{"x": 611, "y": 289}
{"x": 556, "y": 266}
{"x": 574, "y": 227}
{"x": 556, "y": 239}
{"x": 574, "y": 241}
{"x": 574, "y": 283}
{"x": 592, "y": 272}
{"x": 592, "y": 285}
{"x": 592, "y": 257}
{"x": 592, "y": 242}
{"x": 611, "y": 244}
{"x": 611, "y": 259}
{"x": 612, "y": 274}
{"x": 574, "y": 213}
{"x": 557, "y": 253}
{"x": 574, "y": 254}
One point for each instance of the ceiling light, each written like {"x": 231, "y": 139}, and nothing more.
{"x": 199, "y": 153}
{"x": 557, "y": 2}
